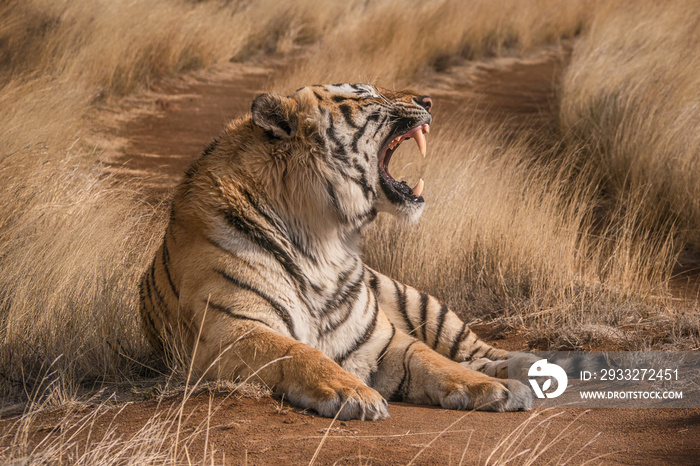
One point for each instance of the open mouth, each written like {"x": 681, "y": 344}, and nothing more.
{"x": 400, "y": 191}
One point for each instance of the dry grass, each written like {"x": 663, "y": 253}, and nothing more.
{"x": 587, "y": 235}
{"x": 640, "y": 124}
{"x": 523, "y": 245}
{"x": 89, "y": 432}
{"x": 390, "y": 44}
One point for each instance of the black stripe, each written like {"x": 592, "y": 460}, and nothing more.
{"x": 386, "y": 347}
{"x": 350, "y": 302}
{"x": 366, "y": 188}
{"x": 173, "y": 218}
{"x": 367, "y": 217}
{"x": 474, "y": 350}
{"x": 424, "y": 315}
{"x": 233, "y": 255}
{"x": 154, "y": 289}
{"x": 481, "y": 348}
{"x": 279, "y": 309}
{"x": 163, "y": 305}
{"x": 194, "y": 166}
{"x": 142, "y": 293}
{"x": 358, "y": 135}
{"x": 147, "y": 280}
{"x": 330, "y": 327}
{"x": 373, "y": 282}
{"x": 382, "y": 353}
{"x": 357, "y": 344}
{"x": 152, "y": 335}
{"x": 401, "y": 298}
{"x": 235, "y": 315}
{"x": 273, "y": 219}
{"x": 347, "y": 114}
{"x": 330, "y": 132}
{"x": 275, "y": 222}
{"x": 166, "y": 261}
{"x": 380, "y": 126}
{"x": 361, "y": 182}
{"x": 253, "y": 232}
{"x": 161, "y": 300}
{"x": 342, "y": 98}
{"x": 342, "y": 281}
{"x": 210, "y": 147}
{"x": 345, "y": 293}
{"x": 317, "y": 288}
{"x": 147, "y": 318}
{"x": 359, "y": 220}
{"x": 458, "y": 339}
{"x": 406, "y": 379}
{"x": 441, "y": 322}
{"x": 334, "y": 201}
{"x": 318, "y": 96}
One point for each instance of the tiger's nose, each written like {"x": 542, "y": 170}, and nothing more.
{"x": 424, "y": 101}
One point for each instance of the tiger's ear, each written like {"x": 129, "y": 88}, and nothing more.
{"x": 275, "y": 114}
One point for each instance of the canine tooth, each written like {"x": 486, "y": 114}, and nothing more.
{"x": 420, "y": 140}
{"x": 418, "y": 190}
{"x": 426, "y": 129}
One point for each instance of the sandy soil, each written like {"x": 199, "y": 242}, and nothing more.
{"x": 246, "y": 430}
{"x": 183, "y": 117}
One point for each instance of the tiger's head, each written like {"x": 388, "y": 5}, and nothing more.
{"x": 332, "y": 146}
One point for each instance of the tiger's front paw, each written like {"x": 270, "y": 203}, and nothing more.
{"x": 352, "y": 402}
{"x": 488, "y": 395}
{"x": 341, "y": 394}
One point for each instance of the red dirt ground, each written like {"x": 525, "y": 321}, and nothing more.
{"x": 264, "y": 431}
{"x": 186, "y": 116}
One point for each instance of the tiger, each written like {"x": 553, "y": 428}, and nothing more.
{"x": 260, "y": 270}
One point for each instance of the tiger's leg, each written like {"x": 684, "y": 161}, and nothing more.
{"x": 411, "y": 371}
{"x": 304, "y": 375}
{"x": 432, "y": 322}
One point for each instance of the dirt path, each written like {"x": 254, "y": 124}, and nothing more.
{"x": 244, "y": 430}
{"x": 183, "y": 118}
{"x": 179, "y": 119}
